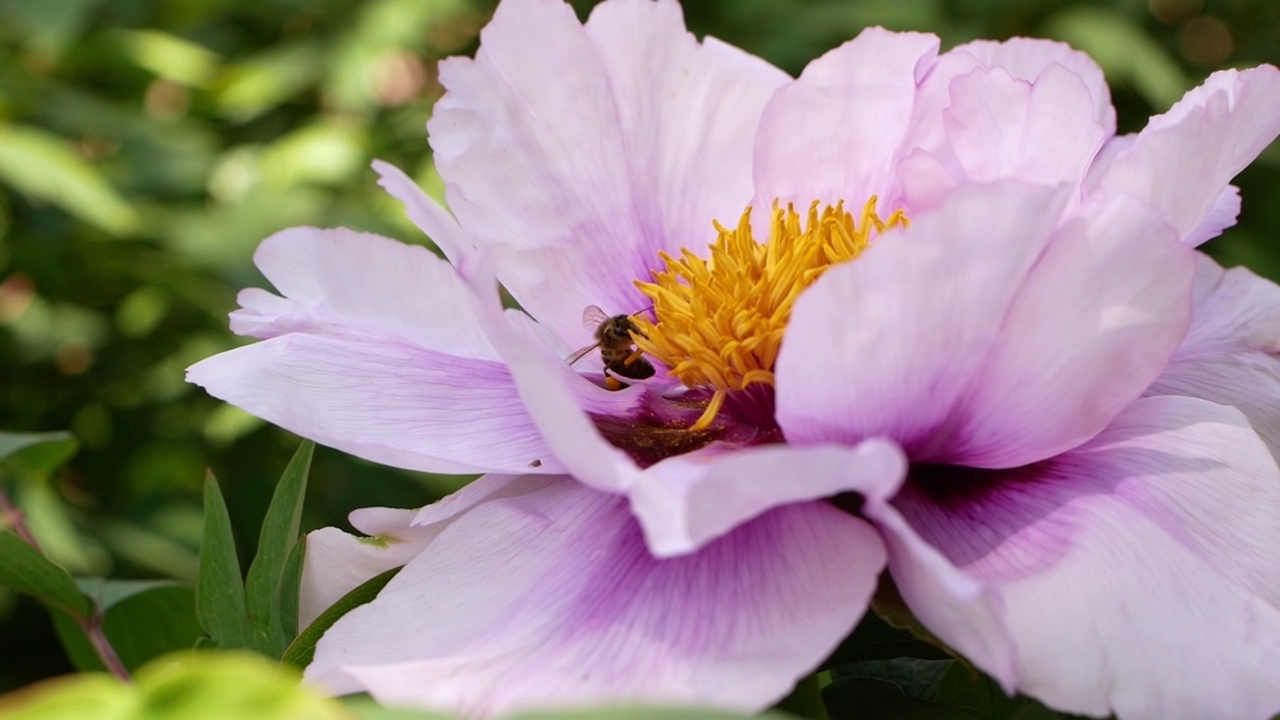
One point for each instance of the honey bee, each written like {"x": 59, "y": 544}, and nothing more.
{"x": 613, "y": 337}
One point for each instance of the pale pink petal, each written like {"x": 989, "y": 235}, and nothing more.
{"x": 1139, "y": 574}
{"x": 383, "y": 400}
{"x": 576, "y": 154}
{"x": 688, "y": 500}
{"x": 1022, "y": 59}
{"x": 1043, "y": 131}
{"x": 1094, "y": 325}
{"x": 998, "y": 126}
{"x": 1231, "y": 354}
{"x": 426, "y": 213}
{"x": 838, "y": 131}
{"x": 1182, "y": 161}
{"x": 339, "y": 281}
{"x": 889, "y": 344}
{"x": 337, "y": 562}
{"x": 1029, "y": 58}
{"x": 688, "y": 114}
{"x": 1221, "y": 216}
{"x": 552, "y": 599}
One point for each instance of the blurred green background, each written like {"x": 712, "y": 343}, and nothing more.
{"x": 147, "y": 146}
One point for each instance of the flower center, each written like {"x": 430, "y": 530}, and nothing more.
{"x": 719, "y": 321}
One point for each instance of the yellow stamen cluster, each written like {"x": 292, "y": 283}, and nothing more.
{"x": 720, "y": 320}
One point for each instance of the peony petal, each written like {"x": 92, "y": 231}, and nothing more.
{"x": 1030, "y": 58}
{"x": 337, "y": 562}
{"x": 1041, "y": 132}
{"x": 426, "y": 213}
{"x": 339, "y": 281}
{"x": 688, "y": 500}
{"x": 1231, "y": 354}
{"x": 888, "y": 344}
{"x": 1182, "y": 161}
{"x": 1095, "y": 324}
{"x": 552, "y": 599}
{"x": 963, "y": 611}
{"x": 556, "y": 398}
{"x": 576, "y": 154}
{"x": 383, "y": 400}
{"x": 1027, "y": 62}
{"x": 1139, "y": 573}
{"x": 1221, "y": 216}
{"x": 838, "y": 131}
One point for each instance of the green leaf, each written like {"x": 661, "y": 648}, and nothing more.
{"x": 279, "y": 534}
{"x": 291, "y": 590}
{"x": 220, "y": 602}
{"x": 247, "y": 88}
{"x": 72, "y": 697}
{"x": 303, "y": 648}
{"x": 107, "y": 593}
{"x": 44, "y": 166}
{"x": 169, "y": 56}
{"x": 876, "y": 639}
{"x": 25, "y": 456}
{"x": 916, "y": 678}
{"x": 646, "y": 713}
{"x": 185, "y": 686}
{"x": 967, "y": 690}
{"x": 50, "y": 519}
{"x": 363, "y": 707}
{"x": 141, "y": 619}
{"x": 24, "y": 569}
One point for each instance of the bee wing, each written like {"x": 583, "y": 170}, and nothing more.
{"x": 593, "y": 317}
{"x": 581, "y": 353}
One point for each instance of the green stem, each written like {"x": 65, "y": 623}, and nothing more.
{"x": 11, "y": 518}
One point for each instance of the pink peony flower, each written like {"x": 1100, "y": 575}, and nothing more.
{"x": 955, "y": 292}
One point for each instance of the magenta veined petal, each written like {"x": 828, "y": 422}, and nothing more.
{"x": 972, "y": 344}
{"x": 1120, "y": 590}
{"x": 1095, "y": 324}
{"x": 550, "y": 598}
{"x": 906, "y": 327}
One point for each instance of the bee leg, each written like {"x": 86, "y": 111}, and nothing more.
{"x": 613, "y": 383}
